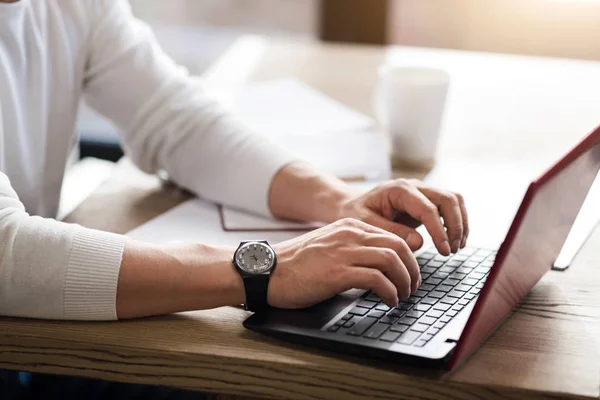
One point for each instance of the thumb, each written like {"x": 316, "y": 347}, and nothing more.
{"x": 410, "y": 235}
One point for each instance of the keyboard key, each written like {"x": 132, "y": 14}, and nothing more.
{"x": 420, "y": 343}
{"x": 408, "y": 337}
{"x": 427, "y": 287}
{"x": 487, "y": 264}
{"x": 458, "y": 275}
{"x": 376, "y": 314}
{"x": 449, "y": 300}
{"x": 424, "y": 275}
{"x": 470, "y": 281}
{"x": 340, "y": 322}
{"x": 428, "y": 255}
{"x": 454, "y": 263}
{"x": 451, "y": 281}
{"x": 435, "y": 313}
{"x": 463, "y": 288}
{"x": 463, "y": 302}
{"x": 456, "y": 293}
{"x": 427, "y": 321}
{"x": 361, "y": 326}
{"x": 415, "y": 314}
{"x": 420, "y": 293}
{"x": 366, "y": 304}
{"x": 447, "y": 269}
{"x": 421, "y": 307}
{"x": 432, "y": 331}
{"x": 422, "y": 261}
{"x": 451, "y": 313}
{"x": 482, "y": 269}
{"x": 457, "y": 307}
{"x": 388, "y": 319}
{"x": 436, "y": 294}
{"x": 445, "y": 319}
{"x": 479, "y": 285}
{"x": 476, "y": 258}
{"x": 460, "y": 257}
{"x": 419, "y": 328}
{"x": 435, "y": 264}
{"x": 433, "y": 281}
{"x": 439, "y": 325}
{"x": 396, "y": 313}
{"x": 428, "y": 270}
{"x": 441, "y": 307}
{"x": 442, "y": 258}
{"x": 470, "y": 264}
{"x": 470, "y": 296}
{"x": 390, "y": 336}
{"x": 476, "y": 275}
{"x": 406, "y": 320}
{"x": 441, "y": 275}
{"x": 427, "y": 336}
{"x": 475, "y": 291}
{"x": 348, "y": 324}
{"x": 468, "y": 251}
{"x": 359, "y": 311}
{"x": 464, "y": 270}
{"x": 383, "y": 307}
{"x": 484, "y": 252}
{"x": 333, "y": 328}
{"x": 444, "y": 288}
{"x": 403, "y": 306}
{"x": 413, "y": 300}
{"x": 429, "y": 300}
{"x": 373, "y": 297}
{"x": 376, "y": 331}
{"x": 399, "y": 328}
{"x": 347, "y": 317}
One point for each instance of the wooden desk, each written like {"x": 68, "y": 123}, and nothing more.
{"x": 546, "y": 349}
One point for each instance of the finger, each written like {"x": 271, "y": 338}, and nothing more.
{"x": 450, "y": 211}
{"x": 372, "y": 279}
{"x": 465, "y": 219}
{"x": 410, "y": 235}
{"x": 418, "y": 206}
{"x": 388, "y": 262}
{"x": 404, "y": 252}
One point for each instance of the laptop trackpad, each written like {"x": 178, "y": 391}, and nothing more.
{"x": 310, "y": 318}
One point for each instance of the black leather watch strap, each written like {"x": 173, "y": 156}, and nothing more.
{"x": 256, "y": 288}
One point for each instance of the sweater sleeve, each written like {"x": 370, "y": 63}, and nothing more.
{"x": 166, "y": 120}
{"x": 54, "y": 270}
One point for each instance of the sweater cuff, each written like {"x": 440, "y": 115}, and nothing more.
{"x": 92, "y": 275}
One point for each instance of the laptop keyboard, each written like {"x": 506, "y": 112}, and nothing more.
{"x": 449, "y": 285}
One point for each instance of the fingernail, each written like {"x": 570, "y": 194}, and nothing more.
{"x": 456, "y": 246}
{"x": 463, "y": 243}
{"x": 411, "y": 240}
{"x": 446, "y": 248}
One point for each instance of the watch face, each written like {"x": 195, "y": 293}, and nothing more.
{"x": 255, "y": 258}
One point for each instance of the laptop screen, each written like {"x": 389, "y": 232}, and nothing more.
{"x": 534, "y": 240}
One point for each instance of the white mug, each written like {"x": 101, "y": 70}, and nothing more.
{"x": 409, "y": 104}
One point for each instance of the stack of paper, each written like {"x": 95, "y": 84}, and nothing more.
{"x": 314, "y": 127}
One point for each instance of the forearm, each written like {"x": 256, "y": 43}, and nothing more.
{"x": 156, "y": 280}
{"x": 300, "y": 192}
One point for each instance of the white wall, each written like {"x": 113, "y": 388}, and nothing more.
{"x": 561, "y": 28}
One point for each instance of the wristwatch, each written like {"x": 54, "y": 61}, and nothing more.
{"x": 255, "y": 261}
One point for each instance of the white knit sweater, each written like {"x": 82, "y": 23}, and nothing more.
{"x": 53, "y": 53}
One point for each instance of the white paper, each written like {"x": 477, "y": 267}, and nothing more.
{"x": 315, "y": 128}
{"x": 288, "y": 107}
{"x": 242, "y": 221}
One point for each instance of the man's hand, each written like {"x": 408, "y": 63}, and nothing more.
{"x": 300, "y": 192}
{"x": 402, "y": 205}
{"x": 341, "y": 256}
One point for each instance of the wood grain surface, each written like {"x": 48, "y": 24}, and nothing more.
{"x": 546, "y": 349}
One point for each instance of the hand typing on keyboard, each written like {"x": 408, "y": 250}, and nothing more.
{"x": 344, "y": 255}
{"x": 400, "y": 206}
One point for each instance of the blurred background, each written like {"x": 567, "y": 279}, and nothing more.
{"x": 196, "y": 32}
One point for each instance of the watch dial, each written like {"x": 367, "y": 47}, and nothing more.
{"x": 255, "y": 258}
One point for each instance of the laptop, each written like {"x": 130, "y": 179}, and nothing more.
{"x": 463, "y": 297}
